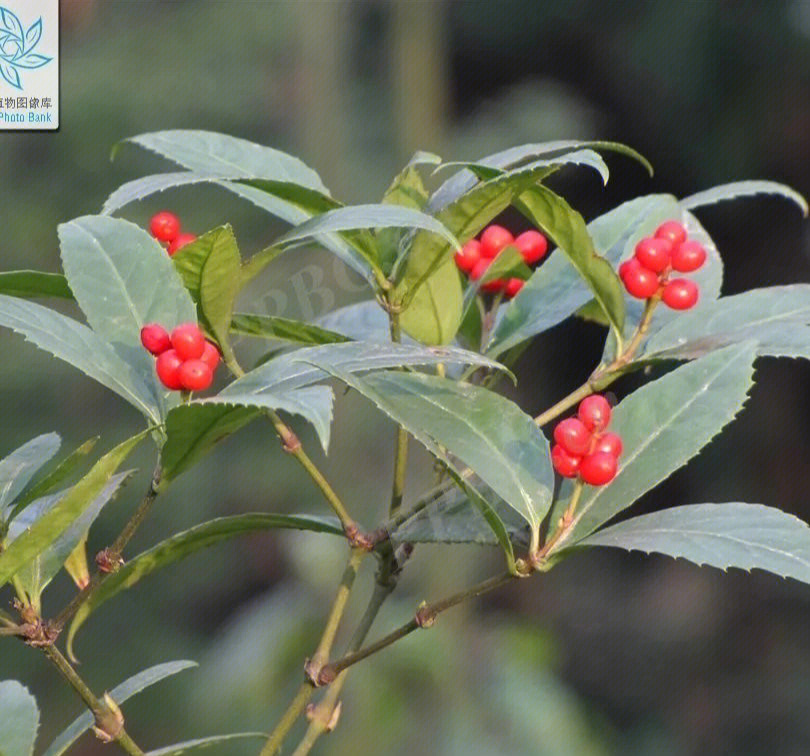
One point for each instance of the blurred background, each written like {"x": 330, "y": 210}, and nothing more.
{"x": 610, "y": 653}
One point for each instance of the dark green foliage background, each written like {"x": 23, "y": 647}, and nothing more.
{"x": 610, "y": 653}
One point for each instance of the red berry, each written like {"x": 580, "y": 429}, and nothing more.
{"x": 532, "y": 245}
{"x": 180, "y": 242}
{"x": 653, "y": 254}
{"x": 594, "y": 412}
{"x": 469, "y": 255}
{"x": 479, "y": 268}
{"x": 609, "y": 443}
{"x": 639, "y": 281}
{"x": 513, "y": 286}
{"x": 598, "y": 468}
{"x": 680, "y": 294}
{"x": 494, "y": 239}
{"x": 167, "y": 367}
{"x": 572, "y": 435}
{"x": 494, "y": 286}
{"x": 164, "y": 226}
{"x": 188, "y": 341}
{"x": 195, "y": 375}
{"x": 672, "y": 231}
{"x": 155, "y": 338}
{"x": 564, "y": 463}
{"x": 210, "y": 356}
{"x": 688, "y": 256}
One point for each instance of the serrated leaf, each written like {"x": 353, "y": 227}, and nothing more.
{"x": 663, "y": 425}
{"x": 434, "y": 314}
{"x": 746, "y": 536}
{"x": 77, "y": 345}
{"x": 17, "y": 469}
{"x": 196, "y": 745}
{"x": 743, "y": 189}
{"x": 566, "y": 228}
{"x": 34, "y": 283}
{"x": 362, "y": 321}
{"x": 52, "y": 524}
{"x": 19, "y": 719}
{"x": 466, "y": 423}
{"x": 284, "y": 329}
{"x": 35, "y": 575}
{"x": 119, "y": 694}
{"x": 122, "y": 279}
{"x": 219, "y": 285}
{"x": 777, "y": 318}
{"x": 188, "y": 542}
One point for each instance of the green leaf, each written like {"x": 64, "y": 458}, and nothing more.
{"x": 122, "y": 279}
{"x": 507, "y": 264}
{"x": 566, "y": 228}
{"x": 284, "y": 329}
{"x": 362, "y": 321}
{"x": 77, "y": 345}
{"x": 119, "y": 694}
{"x": 743, "y": 189}
{"x": 47, "y": 528}
{"x": 38, "y": 572}
{"x": 200, "y": 743}
{"x": 746, "y": 536}
{"x": 459, "y": 421}
{"x": 663, "y": 425}
{"x": 294, "y": 370}
{"x": 19, "y": 719}
{"x": 777, "y": 318}
{"x": 17, "y": 469}
{"x": 434, "y": 314}
{"x": 219, "y": 285}
{"x": 50, "y": 482}
{"x": 34, "y": 283}
{"x": 188, "y": 542}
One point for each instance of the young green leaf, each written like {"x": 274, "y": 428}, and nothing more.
{"x": 181, "y": 545}
{"x": 434, "y": 314}
{"x": 197, "y": 745}
{"x": 77, "y": 345}
{"x": 220, "y": 281}
{"x": 663, "y": 425}
{"x": 17, "y": 469}
{"x": 53, "y": 523}
{"x": 459, "y": 421}
{"x": 119, "y": 694}
{"x": 746, "y": 536}
{"x": 34, "y": 283}
{"x": 19, "y": 719}
{"x": 743, "y": 189}
{"x": 284, "y": 329}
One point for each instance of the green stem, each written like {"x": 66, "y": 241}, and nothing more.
{"x": 290, "y": 717}
{"x": 107, "y": 720}
{"x": 401, "y": 454}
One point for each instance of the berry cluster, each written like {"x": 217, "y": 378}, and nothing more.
{"x": 476, "y": 255}
{"x": 648, "y": 271}
{"x": 185, "y": 360}
{"x": 582, "y": 447}
{"x": 165, "y": 227}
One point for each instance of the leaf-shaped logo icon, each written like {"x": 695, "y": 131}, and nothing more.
{"x": 17, "y": 47}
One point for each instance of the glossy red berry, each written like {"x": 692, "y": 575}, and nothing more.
{"x": 639, "y": 281}
{"x": 155, "y": 338}
{"x": 513, "y": 286}
{"x": 672, "y": 231}
{"x": 469, "y": 255}
{"x": 572, "y": 435}
{"x": 494, "y": 239}
{"x": 609, "y": 443}
{"x": 180, "y": 242}
{"x": 598, "y": 468}
{"x": 494, "y": 286}
{"x": 688, "y": 256}
{"x": 653, "y": 254}
{"x": 680, "y": 294}
{"x": 210, "y": 356}
{"x": 532, "y": 245}
{"x": 594, "y": 412}
{"x": 195, "y": 375}
{"x": 164, "y": 226}
{"x": 479, "y": 268}
{"x": 564, "y": 463}
{"x": 188, "y": 341}
{"x": 167, "y": 367}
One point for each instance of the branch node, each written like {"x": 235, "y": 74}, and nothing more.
{"x": 425, "y": 616}
{"x": 326, "y": 676}
{"x": 109, "y": 721}
{"x": 315, "y": 714}
{"x": 290, "y": 443}
{"x": 358, "y": 540}
{"x": 33, "y": 630}
{"x": 108, "y": 560}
